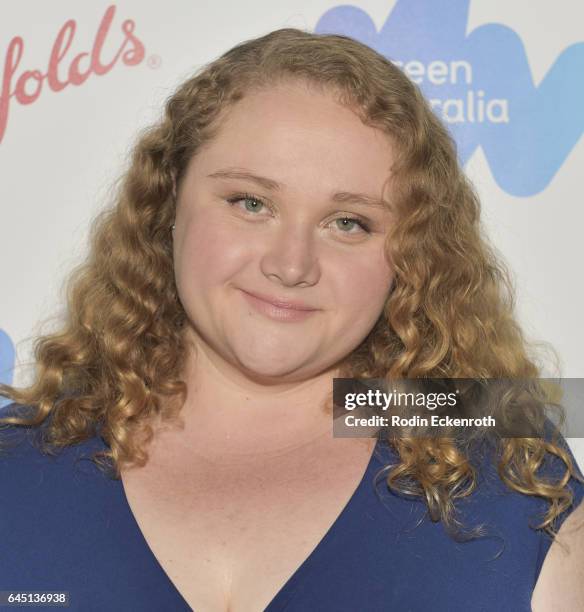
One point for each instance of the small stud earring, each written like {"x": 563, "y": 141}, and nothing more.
{"x": 172, "y": 227}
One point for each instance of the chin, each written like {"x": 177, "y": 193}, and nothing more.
{"x": 266, "y": 372}
{"x": 268, "y": 379}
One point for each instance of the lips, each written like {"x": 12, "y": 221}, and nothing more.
{"x": 281, "y": 303}
{"x": 279, "y": 309}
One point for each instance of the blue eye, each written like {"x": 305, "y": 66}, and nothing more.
{"x": 246, "y": 197}
{"x": 354, "y": 221}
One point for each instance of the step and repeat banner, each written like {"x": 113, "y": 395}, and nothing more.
{"x": 80, "y": 79}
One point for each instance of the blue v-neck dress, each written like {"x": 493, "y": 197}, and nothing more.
{"x": 66, "y": 526}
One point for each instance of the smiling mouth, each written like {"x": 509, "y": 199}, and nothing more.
{"x": 280, "y": 310}
{"x": 281, "y": 303}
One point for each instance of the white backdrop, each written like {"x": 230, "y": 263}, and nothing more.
{"x": 60, "y": 152}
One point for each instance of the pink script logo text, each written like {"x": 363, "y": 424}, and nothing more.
{"x": 131, "y": 51}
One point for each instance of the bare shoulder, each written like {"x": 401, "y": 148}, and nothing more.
{"x": 560, "y": 585}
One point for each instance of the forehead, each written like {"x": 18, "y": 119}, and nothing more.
{"x": 300, "y": 134}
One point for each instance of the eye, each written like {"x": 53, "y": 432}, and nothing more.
{"x": 256, "y": 203}
{"x": 352, "y": 222}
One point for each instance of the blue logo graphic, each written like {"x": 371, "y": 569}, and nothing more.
{"x": 7, "y": 357}
{"x": 480, "y": 85}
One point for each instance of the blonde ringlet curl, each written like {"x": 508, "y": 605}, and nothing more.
{"x": 116, "y": 363}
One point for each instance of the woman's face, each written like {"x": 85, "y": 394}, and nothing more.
{"x": 284, "y": 236}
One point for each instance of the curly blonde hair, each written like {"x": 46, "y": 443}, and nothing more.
{"x": 121, "y": 350}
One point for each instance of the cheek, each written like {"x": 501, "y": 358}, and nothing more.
{"x": 208, "y": 254}
{"x": 363, "y": 283}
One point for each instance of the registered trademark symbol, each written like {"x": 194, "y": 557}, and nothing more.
{"x": 154, "y": 61}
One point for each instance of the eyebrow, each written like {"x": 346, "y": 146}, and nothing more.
{"x": 341, "y": 196}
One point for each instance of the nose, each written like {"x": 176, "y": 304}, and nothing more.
{"x": 290, "y": 258}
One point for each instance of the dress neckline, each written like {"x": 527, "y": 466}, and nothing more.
{"x": 286, "y": 592}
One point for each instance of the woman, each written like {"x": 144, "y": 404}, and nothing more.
{"x": 297, "y": 215}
